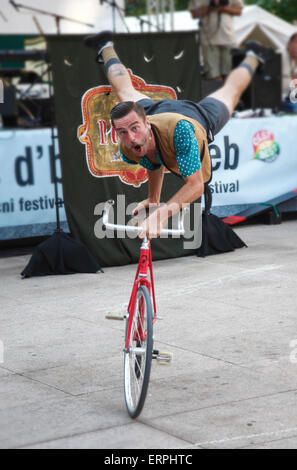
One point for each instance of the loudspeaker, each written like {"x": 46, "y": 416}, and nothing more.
{"x": 265, "y": 90}
{"x": 9, "y": 105}
{"x": 39, "y": 108}
{"x": 209, "y": 86}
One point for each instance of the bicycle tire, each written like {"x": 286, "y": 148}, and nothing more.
{"x": 137, "y": 367}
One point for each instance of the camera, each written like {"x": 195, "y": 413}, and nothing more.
{"x": 218, "y": 3}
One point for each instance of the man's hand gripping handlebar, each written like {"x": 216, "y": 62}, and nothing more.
{"x": 138, "y": 229}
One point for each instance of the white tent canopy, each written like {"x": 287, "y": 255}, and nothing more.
{"x": 257, "y": 23}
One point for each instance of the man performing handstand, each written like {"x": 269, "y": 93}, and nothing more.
{"x": 170, "y": 134}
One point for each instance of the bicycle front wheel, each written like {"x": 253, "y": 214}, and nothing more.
{"x": 138, "y": 357}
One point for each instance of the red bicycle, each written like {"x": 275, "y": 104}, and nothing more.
{"x": 140, "y": 318}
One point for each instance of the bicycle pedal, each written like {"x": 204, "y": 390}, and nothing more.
{"x": 163, "y": 358}
{"x": 115, "y": 316}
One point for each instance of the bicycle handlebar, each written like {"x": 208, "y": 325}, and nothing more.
{"x": 136, "y": 229}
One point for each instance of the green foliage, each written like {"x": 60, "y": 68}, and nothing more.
{"x": 181, "y": 5}
{"x": 138, "y": 7}
{"x": 135, "y": 7}
{"x": 286, "y": 9}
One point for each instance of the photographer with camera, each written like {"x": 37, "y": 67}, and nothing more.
{"x": 289, "y": 72}
{"x": 217, "y": 33}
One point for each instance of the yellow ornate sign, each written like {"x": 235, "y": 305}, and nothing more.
{"x": 99, "y": 137}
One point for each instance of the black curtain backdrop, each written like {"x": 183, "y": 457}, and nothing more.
{"x": 170, "y": 60}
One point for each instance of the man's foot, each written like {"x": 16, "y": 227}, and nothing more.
{"x": 260, "y": 52}
{"x": 98, "y": 41}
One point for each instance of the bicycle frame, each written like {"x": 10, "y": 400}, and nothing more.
{"x": 145, "y": 267}
{"x": 144, "y": 274}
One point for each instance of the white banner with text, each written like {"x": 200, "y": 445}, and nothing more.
{"x": 28, "y": 168}
{"x": 254, "y": 160}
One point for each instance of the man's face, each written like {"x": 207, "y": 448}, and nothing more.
{"x": 292, "y": 48}
{"x": 134, "y": 133}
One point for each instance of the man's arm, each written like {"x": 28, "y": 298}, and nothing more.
{"x": 200, "y": 12}
{"x": 192, "y": 190}
{"x": 234, "y": 11}
{"x": 204, "y": 11}
{"x": 155, "y": 183}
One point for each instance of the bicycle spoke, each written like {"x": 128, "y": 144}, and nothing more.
{"x": 138, "y": 368}
{"x": 136, "y": 384}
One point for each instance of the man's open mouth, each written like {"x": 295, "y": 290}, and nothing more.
{"x": 137, "y": 148}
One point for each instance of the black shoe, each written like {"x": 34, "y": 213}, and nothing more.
{"x": 97, "y": 41}
{"x": 263, "y": 54}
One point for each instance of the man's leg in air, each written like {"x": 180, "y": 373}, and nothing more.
{"x": 240, "y": 78}
{"x": 117, "y": 74}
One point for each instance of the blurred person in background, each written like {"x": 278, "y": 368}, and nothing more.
{"x": 290, "y": 66}
{"x": 217, "y": 34}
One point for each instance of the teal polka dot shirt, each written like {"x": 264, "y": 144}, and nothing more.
{"x": 187, "y": 151}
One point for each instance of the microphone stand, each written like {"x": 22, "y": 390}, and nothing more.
{"x": 200, "y": 26}
{"x": 3, "y": 16}
{"x": 115, "y": 7}
{"x": 142, "y": 21}
{"x": 60, "y": 253}
{"x": 57, "y": 18}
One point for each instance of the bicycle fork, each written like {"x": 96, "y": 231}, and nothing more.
{"x": 144, "y": 277}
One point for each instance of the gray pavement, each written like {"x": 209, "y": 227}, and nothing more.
{"x": 229, "y": 320}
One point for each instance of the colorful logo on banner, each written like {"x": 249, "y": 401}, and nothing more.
{"x": 265, "y": 147}
{"x": 99, "y": 137}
